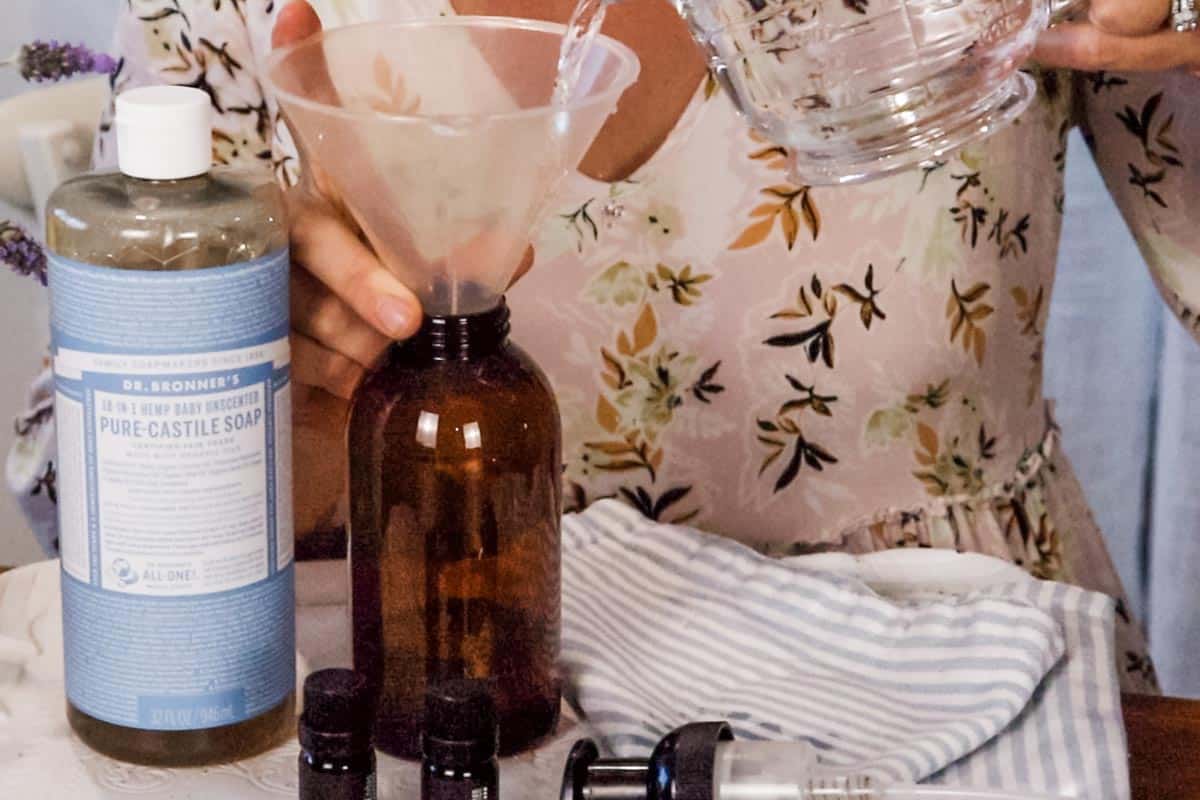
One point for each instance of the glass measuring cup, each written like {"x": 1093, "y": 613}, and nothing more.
{"x": 857, "y": 89}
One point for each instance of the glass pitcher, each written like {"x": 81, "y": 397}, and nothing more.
{"x": 857, "y": 89}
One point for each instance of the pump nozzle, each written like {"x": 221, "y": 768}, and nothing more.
{"x": 680, "y": 768}
{"x": 701, "y": 761}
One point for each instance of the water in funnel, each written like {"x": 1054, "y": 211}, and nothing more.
{"x": 442, "y": 139}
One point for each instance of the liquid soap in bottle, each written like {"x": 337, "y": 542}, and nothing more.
{"x": 169, "y": 315}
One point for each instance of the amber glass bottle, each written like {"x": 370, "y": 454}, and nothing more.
{"x": 455, "y": 453}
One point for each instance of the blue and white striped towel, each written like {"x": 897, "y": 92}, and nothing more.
{"x": 663, "y": 625}
{"x": 1070, "y": 738}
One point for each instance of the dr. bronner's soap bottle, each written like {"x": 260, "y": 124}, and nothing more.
{"x": 169, "y": 312}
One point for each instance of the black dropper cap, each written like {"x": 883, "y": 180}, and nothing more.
{"x": 460, "y": 724}
{"x": 337, "y": 718}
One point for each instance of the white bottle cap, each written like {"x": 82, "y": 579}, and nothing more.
{"x": 164, "y": 132}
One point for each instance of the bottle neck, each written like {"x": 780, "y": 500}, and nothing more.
{"x": 458, "y": 338}
{"x": 187, "y": 180}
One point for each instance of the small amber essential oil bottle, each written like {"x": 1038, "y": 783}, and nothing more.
{"x": 336, "y": 759}
{"x": 459, "y": 743}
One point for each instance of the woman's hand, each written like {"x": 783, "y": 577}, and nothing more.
{"x": 1120, "y": 35}
{"x": 346, "y": 306}
{"x": 346, "y": 309}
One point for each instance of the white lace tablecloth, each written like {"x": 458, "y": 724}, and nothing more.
{"x": 40, "y": 758}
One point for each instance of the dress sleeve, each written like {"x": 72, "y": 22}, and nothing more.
{"x": 214, "y": 45}
{"x": 1144, "y": 132}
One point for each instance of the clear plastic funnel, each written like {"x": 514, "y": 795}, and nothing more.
{"x": 440, "y": 138}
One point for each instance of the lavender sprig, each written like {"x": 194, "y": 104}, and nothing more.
{"x": 21, "y": 252}
{"x": 50, "y": 61}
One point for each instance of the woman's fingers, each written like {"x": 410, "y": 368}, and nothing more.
{"x": 296, "y": 22}
{"x": 324, "y": 317}
{"x": 1081, "y": 45}
{"x": 327, "y": 247}
{"x": 346, "y": 307}
{"x": 1125, "y": 35}
{"x": 1129, "y": 17}
{"x": 525, "y": 265}
{"x": 316, "y": 365}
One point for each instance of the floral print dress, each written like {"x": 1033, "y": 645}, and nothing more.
{"x": 800, "y": 368}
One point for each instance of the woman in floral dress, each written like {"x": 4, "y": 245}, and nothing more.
{"x": 799, "y": 368}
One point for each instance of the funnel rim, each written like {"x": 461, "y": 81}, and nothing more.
{"x": 630, "y": 68}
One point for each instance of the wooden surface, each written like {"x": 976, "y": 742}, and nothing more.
{"x": 1164, "y": 747}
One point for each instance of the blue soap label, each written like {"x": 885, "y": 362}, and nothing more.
{"x": 173, "y": 414}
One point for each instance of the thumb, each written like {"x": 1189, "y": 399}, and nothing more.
{"x": 1129, "y": 17}
{"x": 296, "y": 21}
{"x": 307, "y": 71}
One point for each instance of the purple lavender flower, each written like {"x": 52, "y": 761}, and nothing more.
{"x": 51, "y": 61}
{"x": 21, "y": 252}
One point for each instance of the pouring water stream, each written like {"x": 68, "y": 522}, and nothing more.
{"x": 582, "y": 29}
